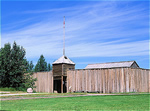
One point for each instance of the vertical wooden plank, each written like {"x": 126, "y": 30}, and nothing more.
{"x": 89, "y": 80}
{"x": 124, "y": 88}
{"x": 39, "y": 82}
{"x": 148, "y": 81}
{"x": 86, "y": 81}
{"x": 49, "y": 82}
{"x": 120, "y": 76}
{"x": 115, "y": 86}
{"x": 117, "y": 72}
{"x": 130, "y": 81}
{"x": 96, "y": 79}
{"x": 75, "y": 80}
{"x": 100, "y": 82}
{"x": 131, "y": 88}
{"x": 145, "y": 81}
{"x": 113, "y": 79}
{"x": 135, "y": 80}
{"x": 72, "y": 81}
{"x": 104, "y": 85}
{"x": 110, "y": 81}
{"x": 106, "y": 81}
{"x": 122, "y": 80}
{"x": 107, "y": 72}
{"x": 78, "y": 80}
{"x": 83, "y": 84}
{"x": 127, "y": 80}
{"x": 74, "y": 85}
{"x": 67, "y": 81}
{"x": 140, "y": 81}
{"x": 61, "y": 84}
{"x": 46, "y": 83}
{"x": 52, "y": 82}
{"x": 92, "y": 79}
{"x": 109, "y": 78}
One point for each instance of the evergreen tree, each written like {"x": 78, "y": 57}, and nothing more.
{"x": 30, "y": 66}
{"x": 5, "y": 66}
{"x": 41, "y": 65}
{"x": 48, "y": 67}
{"x": 17, "y": 63}
{"x": 13, "y": 66}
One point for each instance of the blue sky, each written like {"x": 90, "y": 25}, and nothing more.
{"x": 96, "y": 31}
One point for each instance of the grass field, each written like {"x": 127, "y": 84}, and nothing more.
{"x": 115, "y": 102}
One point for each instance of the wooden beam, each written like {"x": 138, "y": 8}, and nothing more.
{"x": 61, "y": 84}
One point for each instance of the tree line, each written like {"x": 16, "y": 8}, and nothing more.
{"x": 15, "y": 70}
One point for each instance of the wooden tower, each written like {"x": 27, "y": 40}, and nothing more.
{"x": 60, "y": 68}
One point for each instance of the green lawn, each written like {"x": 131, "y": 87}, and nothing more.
{"x": 115, "y": 102}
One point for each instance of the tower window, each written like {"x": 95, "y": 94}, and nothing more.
{"x": 65, "y": 57}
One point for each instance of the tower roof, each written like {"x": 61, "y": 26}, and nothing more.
{"x": 63, "y": 59}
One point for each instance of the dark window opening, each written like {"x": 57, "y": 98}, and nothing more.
{"x": 65, "y": 57}
{"x": 57, "y": 86}
{"x": 64, "y": 84}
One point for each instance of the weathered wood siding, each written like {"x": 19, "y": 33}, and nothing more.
{"x": 67, "y": 67}
{"x": 61, "y": 69}
{"x": 109, "y": 80}
{"x": 57, "y": 69}
{"x": 44, "y": 82}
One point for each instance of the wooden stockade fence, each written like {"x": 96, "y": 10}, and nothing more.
{"x": 44, "y": 82}
{"x": 101, "y": 80}
{"x": 109, "y": 80}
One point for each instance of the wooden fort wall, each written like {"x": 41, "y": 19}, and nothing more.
{"x": 114, "y": 80}
{"x": 44, "y": 82}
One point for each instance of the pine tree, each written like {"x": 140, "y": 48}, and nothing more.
{"x": 13, "y": 66}
{"x": 29, "y": 65}
{"x": 17, "y": 66}
{"x": 48, "y": 67}
{"x": 5, "y": 66}
{"x": 41, "y": 65}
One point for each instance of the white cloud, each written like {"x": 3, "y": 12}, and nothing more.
{"x": 100, "y": 29}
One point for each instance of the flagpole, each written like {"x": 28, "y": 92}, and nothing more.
{"x": 64, "y": 38}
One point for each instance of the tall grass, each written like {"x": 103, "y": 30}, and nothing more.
{"x": 7, "y": 89}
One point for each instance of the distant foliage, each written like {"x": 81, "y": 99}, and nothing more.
{"x": 30, "y": 66}
{"x": 13, "y": 66}
{"x": 42, "y": 65}
{"x": 29, "y": 80}
{"x": 49, "y": 67}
